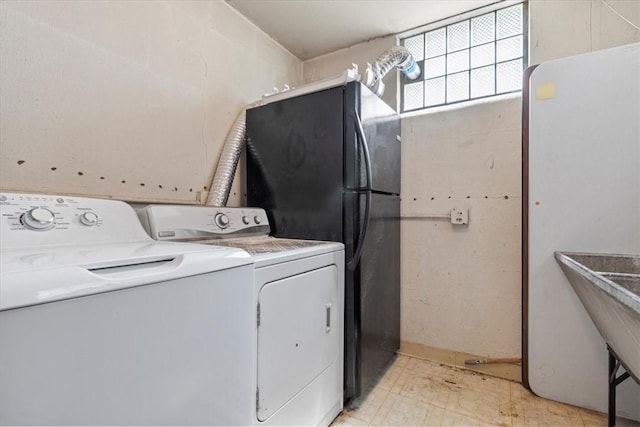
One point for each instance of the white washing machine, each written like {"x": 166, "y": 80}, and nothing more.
{"x": 101, "y": 325}
{"x": 299, "y": 309}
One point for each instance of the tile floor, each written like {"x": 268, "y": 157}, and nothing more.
{"x": 415, "y": 392}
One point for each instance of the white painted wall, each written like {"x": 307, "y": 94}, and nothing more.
{"x": 461, "y": 284}
{"x": 136, "y": 91}
{"x": 561, "y": 28}
{"x": 461, "y": 288}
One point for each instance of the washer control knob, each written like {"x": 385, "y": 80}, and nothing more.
{"x": 40, "y": 219}
{"x": 245, "y": 220}
{"x": 257, "y": 219}
{"x": 89, "y": 219}
{"x": 221, "y": 220}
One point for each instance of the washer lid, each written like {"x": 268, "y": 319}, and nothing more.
{"x": 36, "y": 276}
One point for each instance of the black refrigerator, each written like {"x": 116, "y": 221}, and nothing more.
{"x": 326, "y": 166}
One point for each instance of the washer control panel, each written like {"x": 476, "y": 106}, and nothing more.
{"x": 182, "y": 222}
{"x": 36, "y": 219}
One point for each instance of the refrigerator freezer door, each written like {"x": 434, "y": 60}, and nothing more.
{"x": 382, "y": 132}
{"x": 372, "y": 294}
{"x": 379, "y": 292}
{"x": 295, "y": 164}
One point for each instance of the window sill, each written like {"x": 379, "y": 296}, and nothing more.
{"x": 461, "y": 105}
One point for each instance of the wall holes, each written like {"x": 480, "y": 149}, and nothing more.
{"x": 20, "y": 162}
{"x": 133, "y": 182}
{"x": 469, "y": 197}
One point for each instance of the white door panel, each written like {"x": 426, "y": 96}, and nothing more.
{"x": 298, "y": 336}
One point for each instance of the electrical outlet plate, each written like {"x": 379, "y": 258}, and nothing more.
{"x": 459, "y": 216}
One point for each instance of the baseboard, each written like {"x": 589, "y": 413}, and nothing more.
{"x": 506, "y": 371}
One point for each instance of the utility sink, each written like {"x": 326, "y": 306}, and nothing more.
{"x": 609, "y": 288}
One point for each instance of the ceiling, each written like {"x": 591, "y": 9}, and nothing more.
{"x": 310, "y": 28}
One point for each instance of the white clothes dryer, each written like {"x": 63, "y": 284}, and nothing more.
{"x": 101, "y": 325}
{"x": 299, "y": 308}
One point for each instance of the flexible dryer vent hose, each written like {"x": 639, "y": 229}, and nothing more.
{"x": 231, "y": 151}
{"x": 396, "y": 56}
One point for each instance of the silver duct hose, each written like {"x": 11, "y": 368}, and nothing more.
{"x": 233, "y": 145}
{"x": 396, "y": 56}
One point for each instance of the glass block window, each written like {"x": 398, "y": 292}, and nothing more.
{"x": 480, "y": 55}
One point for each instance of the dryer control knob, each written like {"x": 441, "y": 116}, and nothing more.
{"x": 245, "y": 220}
{"x": 40, "y": 219}
{"x": 256, "y": 219}
{"x": 89, "y": 219}
{"x": 221, "y": 220}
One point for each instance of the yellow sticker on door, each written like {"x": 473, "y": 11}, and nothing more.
{"x": 546, "y": 91}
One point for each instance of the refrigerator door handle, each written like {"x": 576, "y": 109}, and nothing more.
{"x": 351, "y": 265}
{"x": 365, "y": 150}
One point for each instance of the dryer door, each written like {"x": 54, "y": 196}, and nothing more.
{"x": 297, "y": 336}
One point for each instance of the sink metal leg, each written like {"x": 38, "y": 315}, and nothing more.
{"x": 614, "y": 365}
{"x": 612, "y": 390}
